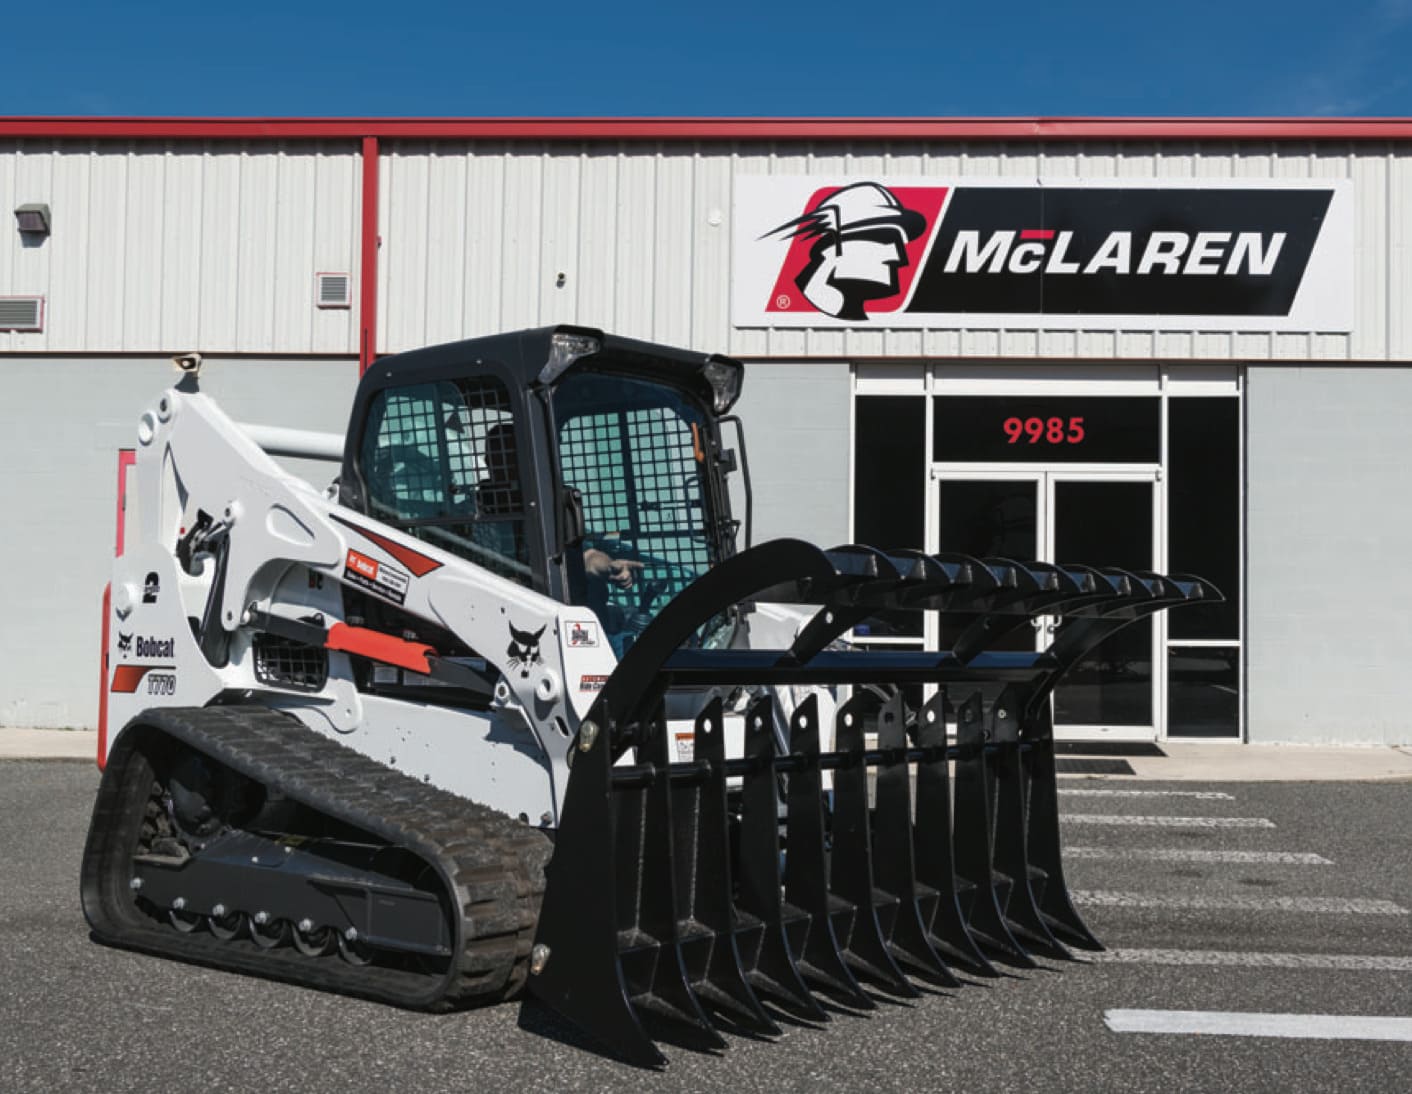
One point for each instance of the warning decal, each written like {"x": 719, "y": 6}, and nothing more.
{"x": 382, "y": 578}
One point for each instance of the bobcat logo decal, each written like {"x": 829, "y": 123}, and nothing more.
{"x": 524, "y": 649}
{"x": 124, "y": 642}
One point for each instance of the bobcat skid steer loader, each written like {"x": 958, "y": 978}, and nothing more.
{"x": 508, "y": 709}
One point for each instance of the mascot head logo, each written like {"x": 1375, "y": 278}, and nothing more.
{"x": 860, "y": 236}
{"x": 524, "y": 649}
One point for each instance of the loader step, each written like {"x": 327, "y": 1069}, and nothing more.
{"x": 451, "y": 926}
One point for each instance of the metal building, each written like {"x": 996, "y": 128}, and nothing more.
{"x": 1182, "y": 345}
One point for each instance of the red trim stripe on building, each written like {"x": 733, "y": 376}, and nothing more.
{"x": 368, "y": 272}
{"x": 701, "y": 129}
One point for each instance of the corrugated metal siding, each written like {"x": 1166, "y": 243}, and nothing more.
{"x": 169, "y": 246}
{"x": 476, "y": 235}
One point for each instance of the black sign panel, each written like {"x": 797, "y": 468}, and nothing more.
{"x": 1045, "y": 429}
{"x": 1094, "y": 251}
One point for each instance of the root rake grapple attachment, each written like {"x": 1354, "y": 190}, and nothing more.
{"x": 726, "y": 892}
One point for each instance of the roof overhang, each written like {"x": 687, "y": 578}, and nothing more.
{"x": 715, "y": 129}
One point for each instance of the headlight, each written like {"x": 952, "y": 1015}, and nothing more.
{"x": 564, "y": 349}
{"x": 724, "y": 377}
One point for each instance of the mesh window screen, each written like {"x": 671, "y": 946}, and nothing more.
{"x": 441, "y": 463}
{"x": 637, "y": 472}
{"x": 634, "y": 451}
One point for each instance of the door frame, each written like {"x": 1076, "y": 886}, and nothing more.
{"x": 1046, "y": 477}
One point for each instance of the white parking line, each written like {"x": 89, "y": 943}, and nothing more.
{"x": 1185, "y": 854}
{"x": 1324, "y": 1027}
{"x": 1339, "y": 905}
{"x": 1356, "y": 962}
{"x": 1200, "y": 795}
{"x": 1166, "y": 822}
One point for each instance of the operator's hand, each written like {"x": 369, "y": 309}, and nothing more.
{"x": 620, "y": 572}
{"x": 617, "y": 570}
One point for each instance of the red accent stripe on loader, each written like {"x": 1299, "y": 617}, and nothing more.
{"x": 418, "y": 563}
{"x": 380, "y": 647}
{"x": 127, "y": 677}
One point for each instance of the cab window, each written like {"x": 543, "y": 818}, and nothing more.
{"x": 440, "y": 462}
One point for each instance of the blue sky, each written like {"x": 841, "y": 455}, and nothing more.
{"x": 400, "y": 58}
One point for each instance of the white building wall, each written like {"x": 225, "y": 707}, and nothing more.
{"x": 62, "y": 421}
{"x": 168, "y": 246}
{"x": 477, "y": 234}
{"x": 797, "y": 417}
{"x": 1329, "y": 535}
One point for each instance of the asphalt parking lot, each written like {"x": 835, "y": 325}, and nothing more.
{"x": 1270, "y": 898}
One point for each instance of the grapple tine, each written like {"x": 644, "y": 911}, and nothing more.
{"x": 1012, "y": 860}
{"x": 893, "y": 863}
{"x": 806, "y": 866}
{"x": 707, "y": 895}
{"x": 768, "y": 949}
{"x": 975, "y": 839}
{"x": 669, "y": 992}
{"x": 932, "y": 843}
{"x": 657, "y": 908}
{"x": 851, "y": 857}
{"x": 575, "y": 969}
{"x": 1051, "y": 890}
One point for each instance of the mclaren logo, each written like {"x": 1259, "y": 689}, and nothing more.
{"x": 1043, "y": 250}
{"x": 857, "y": 240}
{"x": 864, "y": 249}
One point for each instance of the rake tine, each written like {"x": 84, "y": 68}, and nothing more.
{"x": 806, "y": 866}
{"x": 576, "y": 943}
{"x": 1011, "y": 829}
{"x": 975, "y": 838}
{"x": 851, "y": 858}
{"x": 932, "y": 842}
{"x": 893, "y": 862}
{"x": 707, "y": 898}
{"x": 669, "y": 994}
{"x": 781, "y": 930}
{"x": 1043, "y": 836}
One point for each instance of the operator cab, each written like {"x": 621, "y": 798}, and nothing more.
{"x": 583, "y": 465}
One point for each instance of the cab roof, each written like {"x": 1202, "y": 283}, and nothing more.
{"x": 538, "y": 357}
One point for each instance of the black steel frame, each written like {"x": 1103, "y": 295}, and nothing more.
{"x": 651, "y": 925}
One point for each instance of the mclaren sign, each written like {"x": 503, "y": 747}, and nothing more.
{"x": 1204, "y": 254}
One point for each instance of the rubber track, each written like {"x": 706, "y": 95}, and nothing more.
{"x": 492, "y": 865}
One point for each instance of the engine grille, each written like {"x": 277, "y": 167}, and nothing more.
{"x": 288, "y": 664}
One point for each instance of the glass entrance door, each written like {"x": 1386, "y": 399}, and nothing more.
{"x": 1084, "y": 517}
{"x": 990, "y": 517}
{"x": 1102, "y": 522}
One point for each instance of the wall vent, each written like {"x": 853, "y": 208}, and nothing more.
{"x": 333, "y": 290}
{"x": 23, "y": 313}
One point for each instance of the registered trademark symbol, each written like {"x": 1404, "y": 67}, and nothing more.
{"x": 782, "y": 301}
